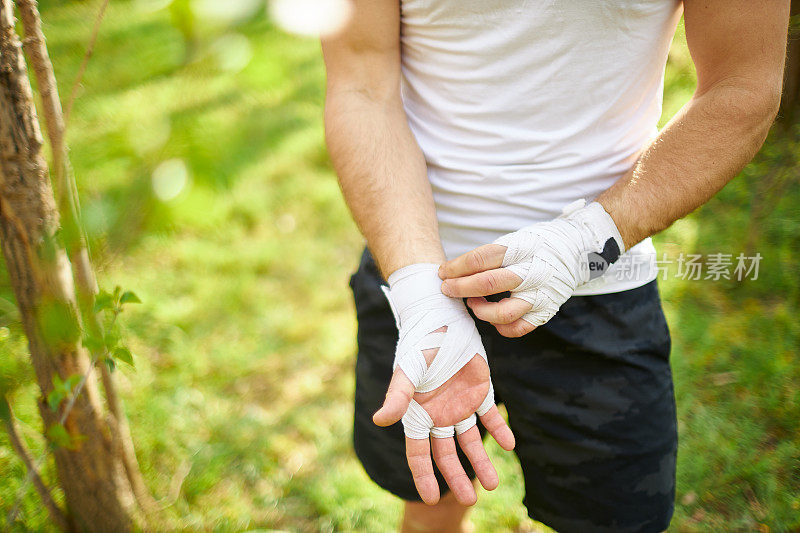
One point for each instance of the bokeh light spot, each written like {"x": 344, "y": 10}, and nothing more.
{"x": 286, "y": 223}
{"x": 311, "y": 17}
{"x": 170, "y": 178}
{"x": 226, "y": 11}
{"x": 232, "y": 52}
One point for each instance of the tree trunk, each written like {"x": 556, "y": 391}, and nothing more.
{"x": 91, "y": 473}
{"x": 74, "y": 238}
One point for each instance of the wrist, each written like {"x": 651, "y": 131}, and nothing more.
{"x": 416, "y": 270}
{"x": 602, "y": 242}
{"x": 403, "y": 255}
{"x": 415, "y": 282}
{"x": 412, "y": 284}
{"x": 601, "y": 233}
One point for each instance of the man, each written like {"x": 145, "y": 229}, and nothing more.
{"x": 510, "y": 146}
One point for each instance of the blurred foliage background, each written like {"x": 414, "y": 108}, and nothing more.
{"x": 198, "y": 147}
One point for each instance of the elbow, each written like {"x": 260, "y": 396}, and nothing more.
{"x": 758, "y": 107}
{"x": 363, "y": 89}
{"x": 355, "y": 98}
{"x": 753, "y": 109}
{"x": 347, "y": 105}
{"x": 762, "y": 100}
{"x": 745, "y": 103}
{"x": 766, "y": 105}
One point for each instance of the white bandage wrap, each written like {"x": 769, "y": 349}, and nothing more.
{"x": 554, "y": 258}
{"x": 420, "y": 309}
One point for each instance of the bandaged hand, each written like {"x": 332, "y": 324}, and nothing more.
{"x": 441, "y": 379}
{"x": 542, "y": 265}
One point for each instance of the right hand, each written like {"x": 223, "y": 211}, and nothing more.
{"x": 441, "y": 379}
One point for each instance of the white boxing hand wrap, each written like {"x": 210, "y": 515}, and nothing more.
{"x": 554, "y": 258}
{"x": 420, "y": 309}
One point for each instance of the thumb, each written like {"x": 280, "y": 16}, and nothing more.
{"x": 398, "y": 396}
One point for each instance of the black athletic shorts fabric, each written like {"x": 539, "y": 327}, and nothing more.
{"x": 589, "y": 397}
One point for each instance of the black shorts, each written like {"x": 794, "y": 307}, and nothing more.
{"x": 589, "y": 397}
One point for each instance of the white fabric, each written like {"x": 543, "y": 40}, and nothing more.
{"x": 552, "y": 258}
{"x": 522, "y": 107}
{"x": 420, "y": 309}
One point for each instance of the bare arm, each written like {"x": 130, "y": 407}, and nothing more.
{"x": 380, "y": 166}
{"x": 384, "y": 179}
{"x": 738, "y": 48}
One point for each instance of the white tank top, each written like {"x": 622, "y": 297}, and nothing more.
{"x": 523, "y": 106}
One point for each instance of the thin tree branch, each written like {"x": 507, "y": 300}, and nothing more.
{"x": 122, "y": 435}
{"x": 89, "y": 50}
{"x": 32, "y": 472}
{"x": 35, "y": 47}
{"x": 55, "y": 123}
{"x": 176, "y": 484}
{"x": 56, "y": 514}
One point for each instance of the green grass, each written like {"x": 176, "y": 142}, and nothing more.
{"x": 245, "y": 341}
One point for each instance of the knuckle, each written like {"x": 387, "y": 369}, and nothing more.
{"x": 395, "y": 390}
{"x": 448, "y": 459}
{"x": 493, "y": 423}
{"x": 489, "y": 284}
{"x": 518, "y": 329}
{"x": 421, "y": 476}
{"x": 476, "y": 260}
{"x": 505, "y": 316}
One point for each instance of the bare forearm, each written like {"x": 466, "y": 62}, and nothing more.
{"x": 383, "y": 178}
{"x": 702, "y": 148}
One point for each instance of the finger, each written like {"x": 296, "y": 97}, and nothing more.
{"x": 496, "y": 425}
{"x": 470, "y": 441}
{"x": 398, "y": 396}
{"x": 418, "y": 454}
{"x": 518, "y": 328}
{"x": 481, "y": 284}
{"x": 505, "y": 311}
{"x": 444, "y": 452}
{"x": 481, "y": 258}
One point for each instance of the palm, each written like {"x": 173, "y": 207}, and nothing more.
{"x": 455, "y": 400}
{"x": 459, "y": 396}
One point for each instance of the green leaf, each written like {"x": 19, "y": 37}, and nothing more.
{"x": 103, "y": 301}
{"x": 57, "y": 434}
{"x": 59, "y": 323}
{"x": 129, "y": 297}
{"x": 61, "y": 390}
{"x": 59, "y": 385}
{"x": 111, "y": 339}
{"x": 72, "y": 382}
{"x": 123, "y": 354}
{"x": 54, "y": 398}
{"x": 93, "y": 344}
{"x": 110, "y": 363}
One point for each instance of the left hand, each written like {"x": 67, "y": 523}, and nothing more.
{"x": 541, "y": 265}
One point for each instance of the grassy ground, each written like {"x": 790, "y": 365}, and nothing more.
{"x": 245, "y": 339}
